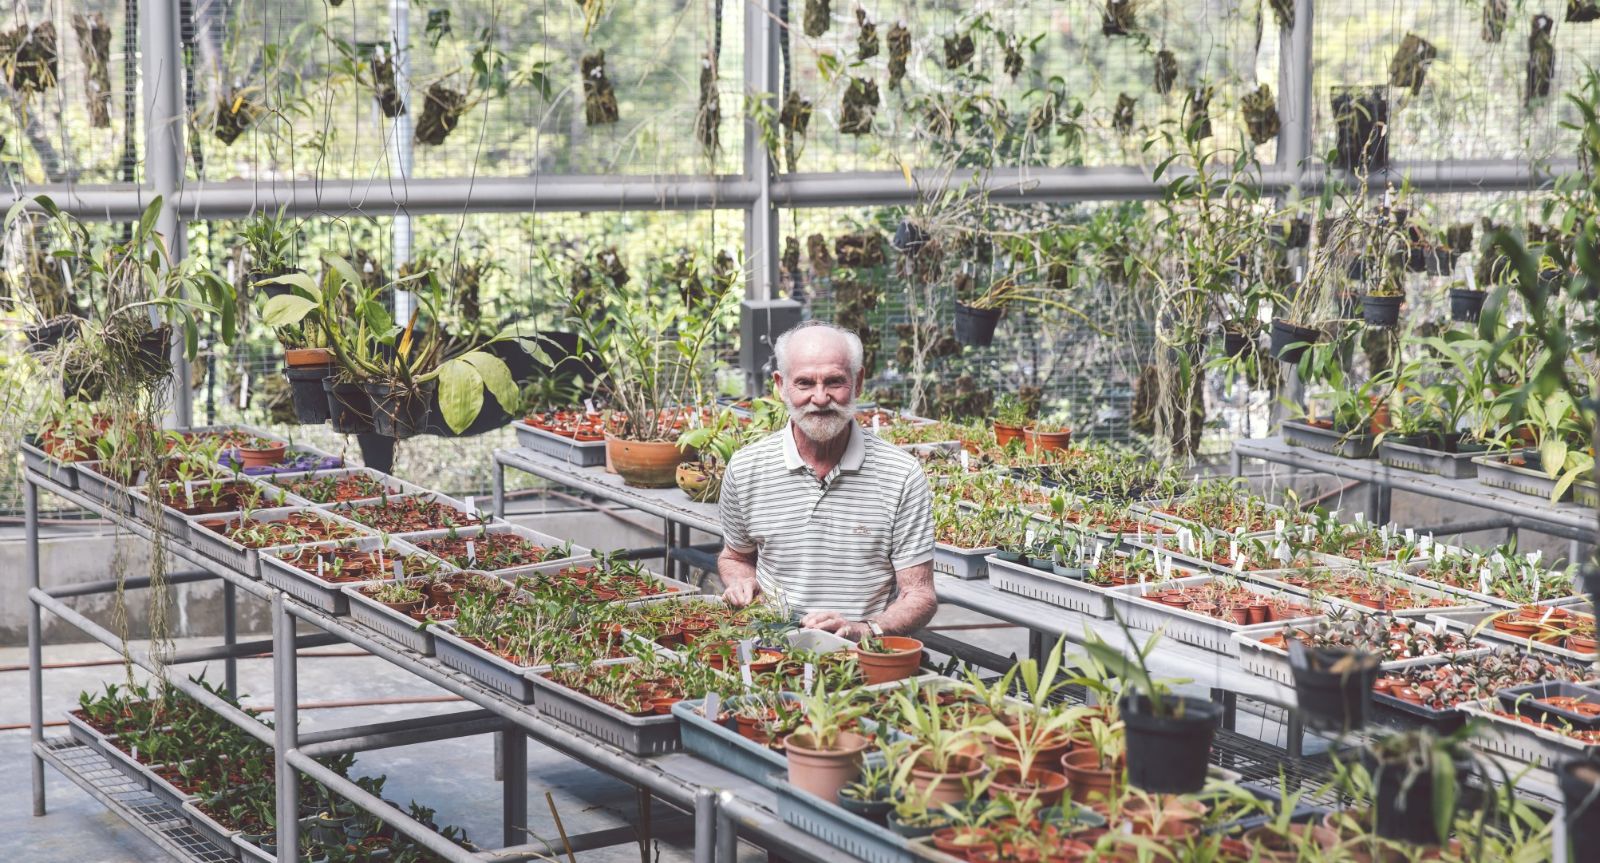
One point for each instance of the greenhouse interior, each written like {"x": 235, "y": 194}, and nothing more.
{"x": 1152, "y": 431}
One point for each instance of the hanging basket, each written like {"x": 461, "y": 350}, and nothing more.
{"x": 1361, "y": 120}
{"x": 975, "y": 327}
{"x": 399, "y": 412}
{"x": 1289, "y": 341}
{"x": 306, "y": 390}
{"x": 349, "y": 407}
{"x": 1381, "y": 311}
{"x": 1466, "y": 304}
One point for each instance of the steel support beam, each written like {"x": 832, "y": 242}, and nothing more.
{"x": 513, "y": 786}
{"x": 761, "y": 217}
{"x": 165, "y": 123}
{"x": 89, "y": 588}
{"x": 387, "y": 814}
{"x": 286, "y": 725}
{"x": 30, "y": 505}
{"x": 1295, "y": 100}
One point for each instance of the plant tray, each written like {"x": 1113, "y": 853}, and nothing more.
{"x": 251, "y": 851}
{"x": 1185, "y": 626}
{"x": 672, "y": 586}
{"x": 855, "y": 836}
{"x": 84, "y": 733}
{"x": 344, "y": 511}
{"x": 37, "y": 460}
{"x": 1520, "y": 699}
{"x": 1446, "y": 464}
{"x": 214, "y": 833}
{"x": 98, "y": 486}
{"x": 395, "y": 485}
{"x": 1443, "y": 721}
{"x": 179, "y": 524}
{"x": 1521, "y": 742}
{"x": 247, "y": 560}
{"x": 389, "y": 623}
{"x": 1468, "y": 620}
{"x": 1497, "y": 472}
{"x": 1416, "y": 585}
{"x": 1264, "y": 660}
{"x": 125, "y": 765}
{"x": 532, "y": 536}
{"x": 1024, "y": 580}
{"x": 328, "y": 596}
{"x": 1586, "y": 494}
{"x": 635, "y": 735}
{"x": 963, "y": 563}
{"x": 167, "y": 792}
{"x": 488, "y": 669}
{"x": 715, "y": 743}
{"x": 582, "y": 454}
{"x": 1473, "y": 595}
{"x": 1329, "y": 441}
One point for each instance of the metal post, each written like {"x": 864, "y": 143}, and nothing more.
{"x": 644, "y": 825}
{"x": 400, "y": 22}
{"x": 761, "y": 219}
{"x": 30, "y": 503}
{"x": 230, "y": 636}
{"x": 669, "y": 541}
{"x": 727, "y": 831}
{"x": 165, "y": 122}
{"x": 1295, "y": 106}
{"x": 499, "y": 487}
{"x": 705, "y": 826}
{"x": 514, "y": 787}
{"x": 285, "y": 717}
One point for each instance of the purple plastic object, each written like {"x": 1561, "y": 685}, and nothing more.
{"x": 294, "y": 461}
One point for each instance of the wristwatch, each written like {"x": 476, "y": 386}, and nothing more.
{"x": 877, "y": 631}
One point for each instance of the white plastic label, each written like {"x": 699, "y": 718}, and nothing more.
{"x": 806, "y": 675}
{"x": 472, "y": 505}
{"x": 1233, "y": 551}
{"x": 1438, "y": 626}
{"x": 472, "y": 551}
{"x": 320, "y": 561}
{"x": 1544, "y": 618}
{"x": 1411, "y": 535}
{"x": 1361, "y": 517}
{"x": 875, "y": 424}
{"x": 1483, "y": 580}
{"x": 244, "y": 388}
{"x": 1277, "y": 529}
{"x": 188, "y": 495}
{"x": 711, "y": 705}
{"x": 588, "y": 406}
{"x": 399, "y": 569}
{"x": 744, "y": 674}
{"x": 966, "y": 462}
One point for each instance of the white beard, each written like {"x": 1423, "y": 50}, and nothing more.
{"x": 823, "y": 425}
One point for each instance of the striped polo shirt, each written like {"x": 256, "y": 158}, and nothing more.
{"x": 832, "y": 544}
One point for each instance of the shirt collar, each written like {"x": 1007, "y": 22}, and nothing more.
{"x": 855, "y": 452}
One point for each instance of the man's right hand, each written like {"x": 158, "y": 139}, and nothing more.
{"x": 741, "y": 593}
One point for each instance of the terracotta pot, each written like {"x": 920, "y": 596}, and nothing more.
{"x": 1046, "y": 785}
{"x": 1515, "y": 627}
{"x": 663, "y": 706}
{"x": 1086, "y": 778}
{"x": 1258, "y": 612}
{"x": 1004, "y": 434}
{"x": 264, "y": 457}
{"x": 901, "y": 663}
{"x": 963, "y": 842}
{"x": 1038, "y": 441}
{"x": 1582, "y": 643}
{"x": 406, "y": 608}
{"x": 1272, "y": 846}
{"x": 1049, "y": 752}
{"x": 949, "y": 786}
{"x": 750, "y": 727}
{"x": 300, "y": 357}
{"x": 1240, "y": 615}
{"x": 824, "y": 771}
{"x": 646, "y": 464}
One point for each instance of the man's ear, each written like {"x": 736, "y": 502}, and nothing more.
{"x": 777, "y": 383}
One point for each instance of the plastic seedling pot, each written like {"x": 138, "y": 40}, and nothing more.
{"x": 1405, "y": 808}
{"x": 1580, "y": 792}
{"x": 1333, "y": 687}
{"x": 1169, "y": 754}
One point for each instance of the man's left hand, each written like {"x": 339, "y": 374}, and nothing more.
{"x": 834, "y": 622}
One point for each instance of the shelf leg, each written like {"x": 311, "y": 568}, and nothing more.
{"x": 727, "y": 837}
{"x": 514, "y": 785}
{"x": 285, "y": 717}
{"x": 669, "y": 541}
{"x": 1296, "y": 729}
{"x": 230, "y": 635}
{"x": 499, "y": 489}
{"x": 705, "y": 826}
{"x": 30, "y": 501}
{"x": 644, "y": 825}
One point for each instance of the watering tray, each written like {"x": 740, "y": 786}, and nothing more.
{"x": 1329, "y": 441}
{"x": 213, "y": 832}
{"x": 533, "y": 536}
{"x": 1265, "y": 660}
{"x": 1069, "y": 593}
{"x": 580, "y": 453}
{"x": 1449, "y": 465}
{"x": 1185, "y": 626}
{"x": 491, "y": 670}
{"x": 37, "y": 460}
{"x": 635, "y": 735}
{"x": 328, "y": 595}
{"x": 725, "y": 748}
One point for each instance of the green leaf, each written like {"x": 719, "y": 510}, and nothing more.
{"x": 1553, "y": 451}
{"x": 460, "y": 394}
{"x": 497, "y": 378}
{"x": 299, "y": 281}
{"x": 147, "y": 221}
{"x": 345, "y": 269}
{"x": 286, "y": 310}
{"x": 1444, "y": 792}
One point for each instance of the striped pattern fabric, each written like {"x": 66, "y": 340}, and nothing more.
{"x": 832, "y": 544}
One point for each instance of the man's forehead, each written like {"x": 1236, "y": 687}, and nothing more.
{"x": 820, "y": 347}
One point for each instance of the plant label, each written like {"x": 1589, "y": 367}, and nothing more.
{"x": 320, "y": 562}
{"x": 1233, "y": 550}
{"x": 1483, "y": 580}
{"x": 383, "y": 563}
{"x": 1411, "y": 535}
{"x": 966, "y": 463}
{"x": 1239, "y": 563}
{"x": 744, "y": 674}
{"x": 472, "y": 505}
{"x": 746, "y": 646}
{"x": 188, "y": 496}
{"x": 806, "y": 674}
{"x": 1306, "y": 535}
{"x": 472, "y": 551}
{"x": 588, "y": 406}
{"x": 1361, "y": 517}
{"x": 244, "y": 387}
{"x": 875, "y": 424}
{"x": 1277, "y": 529}
{"x": 711, "y": 705}
{"x": 399, "y": 569}
{"x": 1438, "y": 626}
{"x": 1545, "y": 618}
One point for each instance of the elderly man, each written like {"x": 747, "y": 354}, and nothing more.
{"x": 823, "y": 518}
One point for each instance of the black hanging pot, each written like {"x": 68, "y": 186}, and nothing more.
{"x": 150, "y": 353}
{"x": 305, "y": 387}
{"x": 1381, "y": 311}
{"x": 909, "y": 238}
{"x": 398, "y": 412}
{"x": 43, "y": 337}
{"x": 272, "y": 290}
{"x": 1405, "y": 804}
{"x": 1289, "y": 341}
{"x": 1169, "y": 754}
{"x": 975, "y": 327}
{"x": 1466, "y": 304}
{"x": 349, "y": 407}
{"x": 1333, "y": 687}
{"x": 1236, "y": 344}
{"x": 1580, "y": 792}
{"x": 1361, "y": 122}
{"x": 82, "y": 384}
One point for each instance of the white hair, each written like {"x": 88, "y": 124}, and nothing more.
{"x": 852, "y": 342}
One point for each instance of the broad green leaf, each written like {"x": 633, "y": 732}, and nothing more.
{"x": 345, "y": 269}
{"x": 460, "y": 394}
{"x": 299, "y": 281}
{"x": 1553, "y": 451}
{"x": 497, "y": 378}
{"x": 147, "y": 221}
{"x": 1444, "y": 792}
{"x": 286, "y": 310}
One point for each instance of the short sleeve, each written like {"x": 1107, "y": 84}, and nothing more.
{"x": 735, "y": 518}
{"x": 913, "y": 523}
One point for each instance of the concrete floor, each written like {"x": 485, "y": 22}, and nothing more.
{"x": 455, "y": 777}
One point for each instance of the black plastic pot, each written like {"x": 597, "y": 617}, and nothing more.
{"x": 82, "y": 384}
{"x": 1287, "y": 340}
{"x": 1334, "y": 700}
{"x": 349, "y": 407}
{"x": 1298, "y": 233}
{"x": 909, "y": 238}
{"x": 151, "y": 355}
{"x": 305, "y": 387}
{"x": 875, "y": 811}
{"x": 1466, "y": 304}
{"x": 399, "y": 413}
{"x": 1405, "y": 809}
{"x": 1235, "y": 343}
{"x": 1361, "y": 120}
{"x": 975, "y": 327}
{"x": 1381, "y": 311}
{"x": 1580, "y": 791}
{"x": 43, "y": 337}
{"x": 1167, "y": 754}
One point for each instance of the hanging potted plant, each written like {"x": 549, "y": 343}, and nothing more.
{"x": 1409, "y": 65}
{"x": 1361, "y": 122}
{"x": 443, "y": 105}
{"x": 39, "y": 278}
{"x": 269, "y": 241}
{"x": 1166, "y": 72}
{"x": 94, "y": 42}
{"x": 1417, "y": 783}
{"x": 1333, "y": 685}
{"x": 1120, "y": 17}
{"x": 1260, "y": 114}
{"x": 1380, "y": 306}
{"x": 1168, "y": 735}
{"x": 823, "y": 756}
{"x": 859, "y": 106}
{"x": 1541, "y": 59}
{"x": 599, "y": 97}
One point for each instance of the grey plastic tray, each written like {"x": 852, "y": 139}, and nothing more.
{"x": 125, "y": 765}
{"x": 1586, "y": 493}
{"x": 395, "y": 485}
{"x": 1264, "y": 660}
{"x": 1469, "y": 619}
{"x": 855, "y": 836}
{"x": 326, "y": 595}
{"x": 167, "y": 792}
{"x": 214, "y": 833}
{"x": 98, "y": 486}
{"x": 585, "y": 454}
{"x": 1183, "y": 625}
{"x": 963, "y": 563}
{"x": 1329, "y": 441}
{"x": 247, "y": 560}
{"x": 726, "y": 749}
{"x": 36, "y": 460}
{"x": 1519, "y": 741}
{"x": 481, "y": 665}
{"x": 635, "y": 735}
{"x": 343, "y": 510}
{"x": 389, "y": 623}
{"x": 84, "y": 733}
{"x": 1069, "y": 593}
{"x": 532, "y": 536}
{"x": 1445, "y": 464}
{"x": 673, "y": 587}
{"x": 1495, "y": 471}
{"x": 178, "y": 524}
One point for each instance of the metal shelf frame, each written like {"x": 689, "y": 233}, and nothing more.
{"x": 723, "y": 806}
